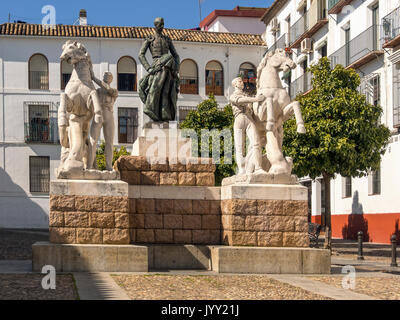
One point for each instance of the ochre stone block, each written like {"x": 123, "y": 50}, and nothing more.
{"x": 150, "y": 178}
{"x": 164, "y": 206}
{"x": 295, "y": 239}
{"x": 200, "y": 165}
{"x": 183, "y": 206}
{"x": 116, "y": 236}
{"x": 257, "y": 223}
{"x": 215, "y": 207}
{"x": 281, "y": 223}
{"x": 205, "y": 179}
{"x": 240, "y": 207}
{"x": 137, "y": 221}
{"x": 145, "y": 236}
{"x": 169, "y": 178}
{"x": 132, "y": 205}
{"x": 56, "y": 219}
{"x": 131, "y": 163}
{"x": 144, "y": 206}
{"x": 301, "y": 224}
{"x": 201, "y": 237}
{"x": 295, "y": 208}
{"x": 132, "y": 234}
{"x": 153, "y": 221}
{"x": 115, "y": 204}
{"x": 131, "y": 177}
{"x": 159, "y": 164}
{"x": 239, "y": 238}
{"x": 187, "y": 179}
{"x": 62, "y": 203}
{"x": 76, "y": 219}
{"x": 89, "y": 203}
{"x": 101, "y": 220}
{"x": 176, "y": 166}
{"x": 215, "y": 236}
{"x": 233, "y": 223}
{"x": 173, "y": 221}
{"x": 191, "y": 222}
{"x": 269, "y": 239}
{"x": 201, "y": 206}
{"x": 211, "y": 222}
{"x": 183, "y": 236}
{"x": 62, "y": 235}
{"x": 122, "y": 220}
{"x": 270, "y": 207}
{"x": 164, "y": 236}
{"x": 226, "y": 207}
{"x": 89, "y": 236}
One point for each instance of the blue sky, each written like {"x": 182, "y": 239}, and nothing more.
{"x": 177, "y": 13}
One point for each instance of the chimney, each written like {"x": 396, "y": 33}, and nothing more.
{"x": 83, "y": 17}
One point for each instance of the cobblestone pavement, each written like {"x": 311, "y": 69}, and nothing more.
{"x": 221, "y": 287}
{"x": 29, "y": 287}
{"x": 17, "y": 244}
{"x": 382, "y": 286}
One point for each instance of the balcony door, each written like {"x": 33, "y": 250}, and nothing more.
{"x": 375, "y": 26}
{"x": 347, "y": 41}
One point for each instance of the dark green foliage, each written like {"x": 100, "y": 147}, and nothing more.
{"x": 100, "y": 157}
{"x": 209, "y": 116}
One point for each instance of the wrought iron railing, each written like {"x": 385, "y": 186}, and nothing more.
{"x": 357, "y": 48}
{"x": 300, "y": 85}
{"x": 279, "y": 44}
{"x": 189, "y": 85}
{"x": 391, "y": 25}
{"x": 40, "y": 122}
{"x": 308, "y": 20}
{"x": 38, "y": 80}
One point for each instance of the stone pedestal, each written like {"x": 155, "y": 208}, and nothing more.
{"x": 89, "y": 212}
{"x": 264, "y": 215}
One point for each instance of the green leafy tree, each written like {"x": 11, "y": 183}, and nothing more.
{"x": 209, "y": 116}
{"x": 100, "y": 156}
{"x": 344, "y": 134}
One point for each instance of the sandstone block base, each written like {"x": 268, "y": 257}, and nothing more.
{"x": 270, "y": 260}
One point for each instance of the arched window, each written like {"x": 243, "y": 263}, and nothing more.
{"x": 248, "y": 72}
{"x": 189, "y": 77}
{"x": 214, "y": 78}
{"x": 66, "y": 71}
{"x": 126, "y": 74}
{"x": 38, "y": 72}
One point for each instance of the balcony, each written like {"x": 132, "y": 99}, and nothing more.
{"x": 189, "y": 85}
{"x": 279, "y": 44}
{"x": 312, "y": 21}
{"x": 300, "y": 85}
{"x": 391, "y": 29}
{"x": 358, "y": 51}
{"x": 40, "y": 123}
{"x": 336, "y": 6}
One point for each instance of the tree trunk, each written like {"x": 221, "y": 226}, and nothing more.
{"x": 328, "y": 220}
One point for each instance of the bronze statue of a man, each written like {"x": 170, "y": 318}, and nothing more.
{"x": 159, "y": 89}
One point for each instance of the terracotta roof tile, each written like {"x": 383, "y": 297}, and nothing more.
{"x": 22, "y": 29}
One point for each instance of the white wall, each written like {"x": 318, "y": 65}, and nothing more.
{"x": 246, "y": 25}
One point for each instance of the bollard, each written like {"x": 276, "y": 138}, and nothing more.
{"x": 360, "y": 246}
{"x": 393, "y": 239}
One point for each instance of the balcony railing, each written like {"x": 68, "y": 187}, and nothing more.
{"x": 40, "y": 123}
{"x": 189, "y": 85}
{"x": 391, "y": 29}
{"x": 332, "y": 3}
{"x": 38, "y": 80}
{"x": 358, "y": 51}
{"x": 300, "y": 85}
{"x": 279, "y": 44}
{"x": 336, "y": 6}
{"x": 309, "y": 23}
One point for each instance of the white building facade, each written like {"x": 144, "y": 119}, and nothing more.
{"x": 32, "y": 79}
{"x": 363, "y": 35}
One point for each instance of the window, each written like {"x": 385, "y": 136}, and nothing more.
{"x": 39, "y": 174}
{"x": 128, "y": 123}
{"x": 66, "y": 72}
{"x": 346, "y": 187}
{"x": 396, "y": 95}
{"x": 183, "y": 112}
{"x": 248, "y": 72}
{"x": 324, "y": 51}
{"x": 189, "y": 82}
{"x": 40, "y": 122}
{"x": 126, "y": 74}
{"x": 370, "y": 87}
{"x": 38, "y": 72}
{"x": 374, "y": 182}
{"x": 214, "y": 78}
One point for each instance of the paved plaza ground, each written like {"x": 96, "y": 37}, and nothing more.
{"x": 374, "y": 279}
